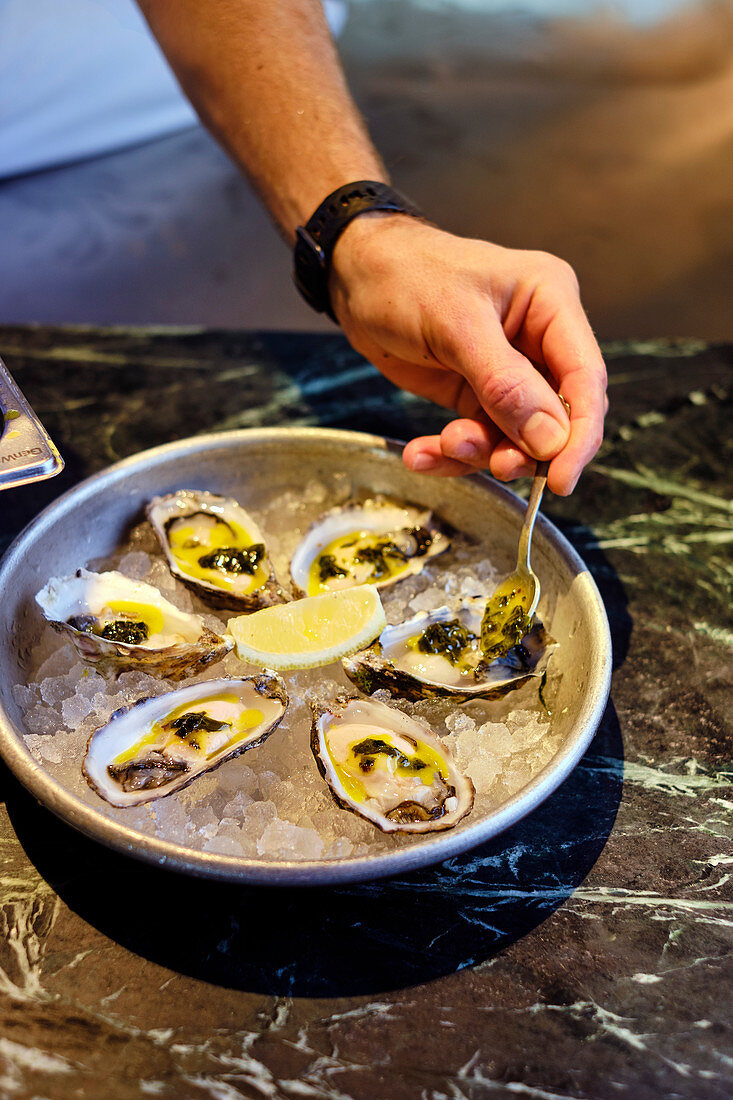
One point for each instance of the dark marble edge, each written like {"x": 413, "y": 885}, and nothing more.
{"x": 580, "y": 954}
{"x": 667, "y": 346}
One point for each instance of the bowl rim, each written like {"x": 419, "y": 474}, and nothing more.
{"x": 424, "y": 852}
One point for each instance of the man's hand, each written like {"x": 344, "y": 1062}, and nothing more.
{"x": 491, "y": 332}
{"x": 484, "y": 330}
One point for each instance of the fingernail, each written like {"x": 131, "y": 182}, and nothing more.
{"x": 515, "y": 472}
{"x": 465, "y": 451}
{"x": 543, "y": 436}
{"x": 421, "y": 463}
{"x": 525, "y": 470}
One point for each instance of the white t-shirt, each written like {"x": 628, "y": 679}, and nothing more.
{"x": 82, "y": 77}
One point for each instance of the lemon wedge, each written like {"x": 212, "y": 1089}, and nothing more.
{"x": 311, "y": 632}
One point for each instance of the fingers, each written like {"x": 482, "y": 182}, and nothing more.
{"x": 510, "y": 389}
{"x": 585, "y": 439}
{"x": 424, "y": 455}
{"x": 484, "y": 334}
{"x": 575, "y": 360}
{"x": 465, "y": 446}
{"x": 470, "y": 441}
{"x": 556, "y": 332}
{"x": 509, "y": 462}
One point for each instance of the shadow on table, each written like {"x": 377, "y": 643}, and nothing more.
{"x": 343, "y": 941}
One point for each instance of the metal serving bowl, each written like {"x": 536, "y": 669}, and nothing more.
{"x": 91, "y": 520}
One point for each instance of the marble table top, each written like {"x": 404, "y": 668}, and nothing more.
{"x": 584, "y": 953}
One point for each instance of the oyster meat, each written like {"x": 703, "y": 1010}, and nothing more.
{"x": 122, "y": 624}
{"x": 438, "y": 653}
{"x": 156, "y": 746}
{"x": 388, "y": 767}
{"x": 216, "y": 548}
{"x": 378, "y": 542}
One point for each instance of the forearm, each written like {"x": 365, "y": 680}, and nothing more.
{"x": 265, "y": 79}
{"x": 462, "y": 322}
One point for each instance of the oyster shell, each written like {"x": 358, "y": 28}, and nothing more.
{"x": 388, "y": 767}
{"x": 120, "y": 624}
{"x": 438, "y": 654}
{"x": 156, "y": 746}
{"x": 377, "y": 541}
{"x": 216, "y": 548}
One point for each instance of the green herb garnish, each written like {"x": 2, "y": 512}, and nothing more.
{"x": 449, "y": 640}
{"x": 504, "y": 624}
{"x": 376, "y": 557}
{"x": 372, "y": 747}
{"x": 194, "y": 722}
{"x": 230, "y": 560}
{"x": 124, "y": 630}
{"x": 328, "y": 567}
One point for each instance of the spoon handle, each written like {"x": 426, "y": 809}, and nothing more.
{"x": 533, "y": 504}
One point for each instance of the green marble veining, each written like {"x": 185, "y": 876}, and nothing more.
{"x": 583, "y": 954}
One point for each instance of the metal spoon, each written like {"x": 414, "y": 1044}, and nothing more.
{"x": 509, "y": 610}
{"x": 524, "y": 570}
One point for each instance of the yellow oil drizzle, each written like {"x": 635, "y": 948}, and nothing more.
{"x": 505, "y": 620}
{"x": 247, "y": 721}
{"x": 353, "y": 541}
{"x": 129, "y": 754}
{"x": 350, "y": 774}
{"x": 462, "y": 665}
{"x": 231, "y": 535}
{"x": 164, "y": 738}
{"x": 352, "y": 784}
{"x": 147, "y": 613}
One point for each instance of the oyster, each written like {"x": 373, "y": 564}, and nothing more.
{"x": 156, "y": 746}
{"x": 120, "y": 624}
{"x": 388, "y": 767}
{"x": 438, "y": 653}
{"x": 378, "y": 542}
{"x": 215, "y": 548}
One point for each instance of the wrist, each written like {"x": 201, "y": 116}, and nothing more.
{"x": 317, "y": 240}
{"x": 364, "y": 249}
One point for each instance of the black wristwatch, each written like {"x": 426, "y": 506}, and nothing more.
{"x": 315, "y": 240}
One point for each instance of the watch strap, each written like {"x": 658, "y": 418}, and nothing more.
{"x": 315, "y": 241}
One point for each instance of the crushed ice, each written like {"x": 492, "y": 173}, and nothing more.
{"x": 271, "y": 803}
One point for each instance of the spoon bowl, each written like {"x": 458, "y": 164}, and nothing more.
{"x": 509, "y": 610}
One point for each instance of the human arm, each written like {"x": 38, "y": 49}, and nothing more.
{"x": 466, "y": 323}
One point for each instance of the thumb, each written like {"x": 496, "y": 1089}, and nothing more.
{"x": 512, "y": 391}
